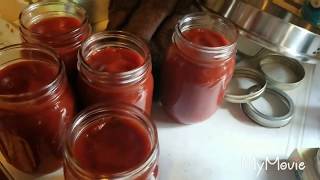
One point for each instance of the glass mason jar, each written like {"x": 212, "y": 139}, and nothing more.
{"x": 115, "y": 67}
{"x": 198, "y": 67}
{"x": 36, "y": 104}
{"x": 62, "y": 26}
{"x": 115, "y": 141}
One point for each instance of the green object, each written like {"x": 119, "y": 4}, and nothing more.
{"x": 311, "y": 14}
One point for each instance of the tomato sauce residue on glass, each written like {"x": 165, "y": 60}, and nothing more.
{"x": 112, "y": 145}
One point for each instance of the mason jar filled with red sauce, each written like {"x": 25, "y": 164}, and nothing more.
{"x": 115, "y": 141}
{"x": 115, "y": 67}
{"x": 198, "y": 67}
{"x": 36, "y": 105}
{"x": 59, "y": 25}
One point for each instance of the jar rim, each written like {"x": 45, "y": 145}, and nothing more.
{"x": 139, "y": 71}
{"x": 108, "y": 109}
{"x": 199, "y": 15}
{"x": 51, "y": 86}
{"x": 36, "y": 5}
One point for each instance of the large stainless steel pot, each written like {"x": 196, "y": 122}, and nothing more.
{"x": 270, "y": 26}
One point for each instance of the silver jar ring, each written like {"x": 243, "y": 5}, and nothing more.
{"x": 269, "y": 120}
{"x": 252, "y": 94}
{"x": 292, "y": 64}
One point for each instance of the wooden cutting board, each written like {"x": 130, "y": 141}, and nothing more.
{"x": 9, "y": 33}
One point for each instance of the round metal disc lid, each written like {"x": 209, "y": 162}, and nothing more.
{"x": 264, "y": 118}
{"x": 240, "y": 89}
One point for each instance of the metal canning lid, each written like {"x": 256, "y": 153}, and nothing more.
{"x": 290, "y": 63}
{"x": 250, "y": 94}
{"x": 268, "y": 120}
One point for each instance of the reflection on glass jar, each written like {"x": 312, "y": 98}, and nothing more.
{"x": 116, "y": 141}
{"x": 115, "y": 67}
{"x": 198, "y": 67}
{"x": 36, "y": 105}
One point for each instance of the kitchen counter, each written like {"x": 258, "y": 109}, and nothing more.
{"x": 229, "y": 145}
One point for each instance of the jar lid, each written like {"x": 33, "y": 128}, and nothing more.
{"x": 248, "y": 94}
{"x": 269, "y": 120}
{"x": 274, "y": 60}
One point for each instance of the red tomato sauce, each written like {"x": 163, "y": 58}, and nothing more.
{"x": 31, "y": 130}
{"x": 116, "y": 145}
{"x": 114, "y": 61}
{"x": 192, "y": 90}
{"x": 205, "y": 37}
{"x": 62, "y": 34}
{"x": 55, "y": 26}
{"x": 26, "y": 76}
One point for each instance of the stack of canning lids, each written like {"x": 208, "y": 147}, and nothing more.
{"x": 262, "y": 83}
